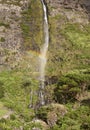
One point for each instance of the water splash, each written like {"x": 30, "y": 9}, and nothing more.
{"x": 43, "y": 53}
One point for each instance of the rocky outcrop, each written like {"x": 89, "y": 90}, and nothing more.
{"x": 10, "y": 34}
{"x": 57, "y": 6}
{"x": 20, "y": 32}
{"x": 51, "y": 113}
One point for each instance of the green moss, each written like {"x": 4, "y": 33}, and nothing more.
{"x": 70, "y": 85}
{"x": 3, "y": 110}
{"x": 2, "y": 39}
{"x": 32, "y": 25}
{"x": 75, "y": 119}
{"x": 69, "y": 46}
{"x": 17, "y": 97}
{"x": 1, "y": 90}
{"x": 4, "y": 24}
{"x": 25, "y": 29}
{"x": 77, "y": 35}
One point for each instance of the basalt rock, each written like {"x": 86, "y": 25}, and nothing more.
{"x": 68, "y": 4}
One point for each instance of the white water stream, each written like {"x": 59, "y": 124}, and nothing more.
{"x": 43, "y": 55}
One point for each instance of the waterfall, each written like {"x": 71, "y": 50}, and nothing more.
{"x": 43, "y": 57}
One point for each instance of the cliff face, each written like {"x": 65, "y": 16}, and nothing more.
{"x": 11, "y": 39}
{"x": 70, "y": 3}
{"x": 10, "y": 33}
{"x": 21, "y": 32}
{"x": 67, "y": 69}
{"x": 69, "y": 35}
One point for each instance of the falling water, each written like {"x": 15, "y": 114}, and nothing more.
{"x": 43, "y": 58}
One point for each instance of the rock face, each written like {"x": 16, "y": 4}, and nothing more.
{"x": 10, "y": 34}
{"x": 68, "y": 4}
{"x": 63, "y": 13}
{"x": 19, "y": 32}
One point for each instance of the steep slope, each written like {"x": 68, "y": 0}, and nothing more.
{"x": 69, "y": 37}
{"x": 67, "y": 91}
{"x": 10, "y": 34}
{"x": 21, "y": 33}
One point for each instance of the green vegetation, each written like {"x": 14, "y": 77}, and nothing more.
{"x": 73, "y": 91}
{"x": 78, "y": 35}
{"x": 75, "y": 119}
{"x": 16, "y": 97}
{"x": 68, "y": 94}
{"x": 69, "y": 46}
{"x": 3, "y": 110}
{"x": 1, "y": 90}
{"x": 71, "y": 85}
{"x": 2, "y": 39}
{"x": 4, "y": 24}
{"x": 32, "y": 20}
{"x": 68, "y": 59}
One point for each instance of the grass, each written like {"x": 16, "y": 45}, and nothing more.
{"x": 77, "y": 35}
{"x": 3, "y": 110}
{"x": 68, "y": 52}
{"x": 69, "y": 46}
{"x": 17, "y": 89}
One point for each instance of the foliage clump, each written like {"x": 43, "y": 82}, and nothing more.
{"x": 2, "y": 39}
{"x": 1, "y": 90}
{"x": 70, "y": 86}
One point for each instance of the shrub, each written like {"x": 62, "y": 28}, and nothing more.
{"x": 2, "y": 39}
{"x": 4, "y": 24}
{"x": 12, "y": 117}
{"x": 70, "y": 85}
{"x": 1, "y": 90}
{"x": 42, "y": 113}
{"x": 2, "y": 120}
